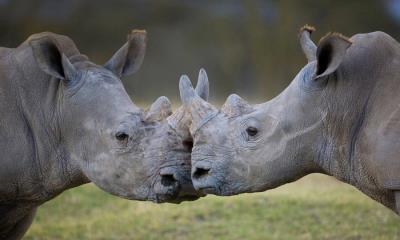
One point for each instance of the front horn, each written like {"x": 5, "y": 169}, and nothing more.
{"x": 200, "y": 111}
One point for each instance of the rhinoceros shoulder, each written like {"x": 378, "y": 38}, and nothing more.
{"x": 392, "y": 124}
{"x": 387, "y": 151}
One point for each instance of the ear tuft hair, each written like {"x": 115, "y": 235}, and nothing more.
{"x": 335, "y": 34}
{"x": 308, "y": 28}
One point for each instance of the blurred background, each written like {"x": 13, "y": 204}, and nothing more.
{"x": 247, "y": 47}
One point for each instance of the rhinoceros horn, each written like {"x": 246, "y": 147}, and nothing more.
{"x": 200, "y": 110}
{"x": 159, "y": 110}
{"x": 180, "y": 120}
{"x": 235, "y": 106}
{"x": 202, "y": 87}
{"x": 308, "y": 46}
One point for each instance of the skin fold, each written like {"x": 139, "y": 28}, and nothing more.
{"x": 339, "y": 116}
{"x": 66, "y": 121}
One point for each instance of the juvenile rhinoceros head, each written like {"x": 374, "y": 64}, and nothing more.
{"x": 248, "y": 148}
{"x": 105, "y": 137}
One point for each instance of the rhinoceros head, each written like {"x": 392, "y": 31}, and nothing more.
{"x": 106, "y": 138}
{"x": 248, "y": 148}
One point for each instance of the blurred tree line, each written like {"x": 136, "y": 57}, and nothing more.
{"x": 247, "y": 47}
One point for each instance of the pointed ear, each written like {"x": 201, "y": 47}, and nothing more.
{"x": 307, "y": 45}
{"x": 202, "y": 87}
{"x": 128, "y": 59}
{"x": 186, "y": 90}
{"x": 51, "y": 60}
{"x": 330, "y": 53}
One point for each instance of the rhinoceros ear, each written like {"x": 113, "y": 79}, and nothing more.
{"x": 128, "y": 59}
{"x": 159, "y": 110}
{"x": 203, "y": 87}
{"x": 235, "y": 106}
{"x": 51, "y": 60}
{"x": 330, "y": 53}
{"x": 308, "y": 46}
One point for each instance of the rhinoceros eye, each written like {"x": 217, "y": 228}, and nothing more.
{"x": 122, "y": 137}
{"x": 252, "y": 131}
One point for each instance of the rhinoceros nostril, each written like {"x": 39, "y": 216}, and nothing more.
{"x": 168, "y": 180}
{"x": 200, "y": 172}
{"x": 188, "y": 144}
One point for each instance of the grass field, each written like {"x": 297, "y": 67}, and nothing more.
{"x": 315, "y": 207}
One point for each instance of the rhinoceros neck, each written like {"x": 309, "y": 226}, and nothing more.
{"x": 348, "y": 111}
{"x": 365, "y": 95}
{"x": 39, "y": 163}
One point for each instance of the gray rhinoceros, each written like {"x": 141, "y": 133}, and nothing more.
{"x": 340, "y": 116}
{"x": 65, "y": 121}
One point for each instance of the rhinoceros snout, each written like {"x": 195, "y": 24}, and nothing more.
{"x": 175, "y": 187}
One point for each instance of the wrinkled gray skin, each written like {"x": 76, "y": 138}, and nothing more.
{"x": 66, "y": 121}
{"x": 340, "y": 116}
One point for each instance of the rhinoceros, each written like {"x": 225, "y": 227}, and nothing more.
{"x": 66, "y": 121}
{"x": 340, "y": 116}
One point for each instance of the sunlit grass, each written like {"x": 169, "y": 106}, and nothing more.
{"x": 316, "y": 207}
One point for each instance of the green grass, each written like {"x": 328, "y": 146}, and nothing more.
{"x": 315, "y": 207}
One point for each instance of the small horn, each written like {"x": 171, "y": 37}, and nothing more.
{"x": 159, "y": 110}
{"x": 202, "y": 87}
{"x": 308, "y": 46}
{"x": 235, "y": 106}
{"x": 180, "y": 121}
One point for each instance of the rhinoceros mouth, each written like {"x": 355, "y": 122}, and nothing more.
{"x": 207, "y": 187}
{"x": 175, "y": 198}
{"x": 187, "y": 198}
{"x": 208, "y": 190}
{"x": 175, "y": 185}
